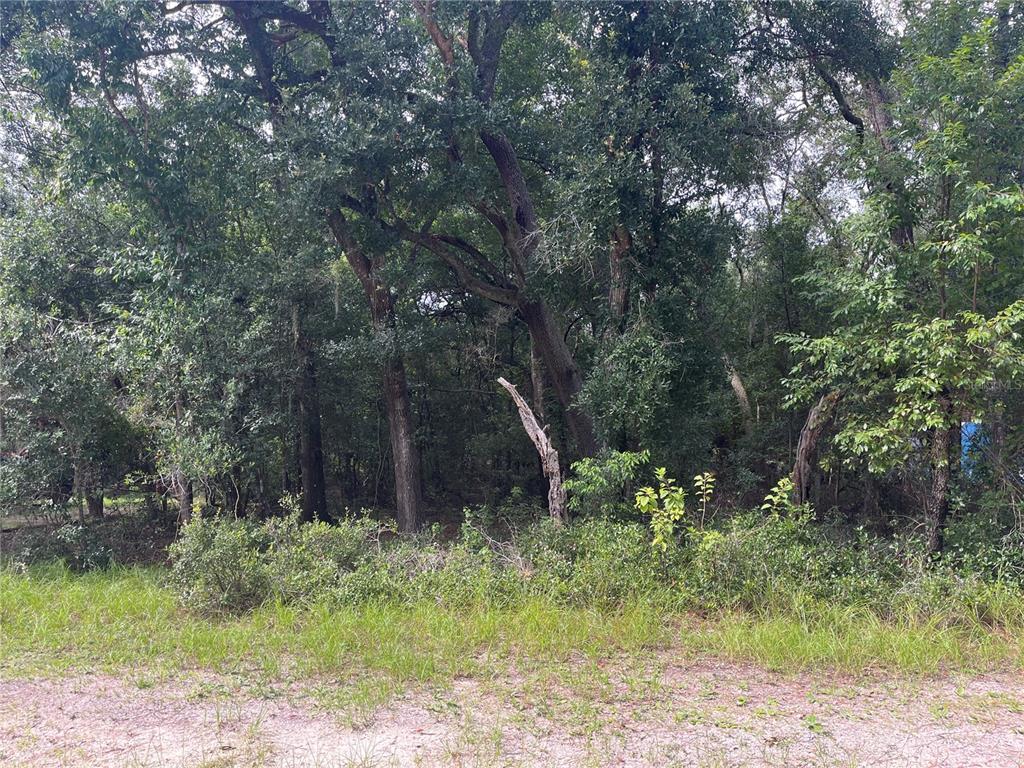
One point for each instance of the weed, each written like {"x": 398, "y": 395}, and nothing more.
{"x": 814, "y": 725}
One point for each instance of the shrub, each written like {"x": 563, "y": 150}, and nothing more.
{"x": 748, "y": 563}
{"x": 600, "y": 486}
{"x": 510, "y": 514}
{"x": 770, "y": 561}
{"x": 306, "y": 561}
{"x": 218, "y": 564}
{"x": 612, "y": 564}
{"x": 81, "y": 548}
{"x": 96, "y": 544}
{"x": 224, "y": 564}
{"x": 977, "y": 544}
{"x": 228, "y": 564}
{"x": 760, "y": 561}
{"x": 665, "y": 505}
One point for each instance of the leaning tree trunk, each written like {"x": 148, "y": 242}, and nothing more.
{"x": 807, "y": 445}
{"x": 740, "y": 390}
{"x": 548, "y": 455}
{"x": 544, "y": 331}
{"x": 311, "y": 452}
{"x": 563, "y": 374}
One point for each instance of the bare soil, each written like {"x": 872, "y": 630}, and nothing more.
{"x": 666, "y": 712}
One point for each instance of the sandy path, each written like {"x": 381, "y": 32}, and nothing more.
{"x": 677, "y": 713}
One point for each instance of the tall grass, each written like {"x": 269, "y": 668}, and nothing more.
{"x": 52, "y": 620}
{"x": 854, "y": 639}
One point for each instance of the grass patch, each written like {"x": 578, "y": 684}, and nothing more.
{"x": 53, "y": 621}
{"x": 854, "y": 639}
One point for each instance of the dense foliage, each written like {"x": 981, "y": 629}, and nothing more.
{"x": 772, "y": 564}
{"x": 263, "y": 263}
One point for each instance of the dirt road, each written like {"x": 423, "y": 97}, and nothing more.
{"x": 671, "y": 713}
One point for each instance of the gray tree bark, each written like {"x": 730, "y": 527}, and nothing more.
{"x": 548, "y": 455}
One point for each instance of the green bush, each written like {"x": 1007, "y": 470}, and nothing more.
{"x": 82, "y": 548}
{"x": 770, "y": 561}
{"x": 758, "y": 561}
{"x": 226, "y": 564}
{"x": 132, "y": 536}
{"x": 219, "y": 564}
{"x": 516, "y": 511}
{"x": 755, "y": 560}
{"x": 602, "y": 486}
{"x": 93, "y": 545}
{"x": 977, "y": 544}
{"x": 612, "y": 563}
{"x": 303, "y": 562}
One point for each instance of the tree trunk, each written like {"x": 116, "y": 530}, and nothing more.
{"x": 404, "y": 453}
{"x": 181, "y": 486}
{"x": 548, "y": 455}
{"x": 182, "y": 490}
{"x": 869, "y": 512}
{"x": 807, "y": 445}
{"x": 938, "y": 497}
{"x": 565, "y": 377}
{"x": 520, "y": 200}
{"x": 879, "y": 115}
{"x": 266, "y": 505}
{"x": 618, "y": 283}
{"x": 537, "y": 381}
{"x": 311, "y": 453}
{"x": 94, "y": 503}
{"x": 544, "y": 330}
{"x": 236, "y": 498}
{"x": 289, "y": 448}
{"x": 311, "y": 456}
{"x": 84, "y": 488}
{"x": 740, "y": 390}
{"x": 521, "y": 237}
{"x": 401, "y": 425}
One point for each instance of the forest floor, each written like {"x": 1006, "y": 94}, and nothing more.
{"x": 666, "y": 708}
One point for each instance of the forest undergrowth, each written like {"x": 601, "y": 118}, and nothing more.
{"x": 276, "y": 599}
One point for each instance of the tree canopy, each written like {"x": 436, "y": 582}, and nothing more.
{"x": 258, "y": 249}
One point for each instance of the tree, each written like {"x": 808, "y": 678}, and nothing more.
{"x": 923, "y": 324}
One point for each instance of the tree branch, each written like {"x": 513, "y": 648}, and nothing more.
{"x": 837, "y": 94}
{"x": 443, "y": 43}
{"x": 441, "y": 246}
